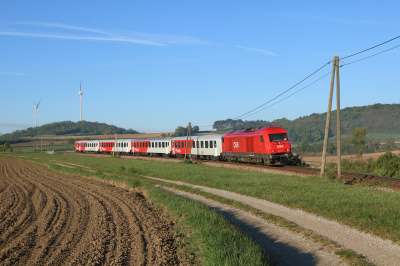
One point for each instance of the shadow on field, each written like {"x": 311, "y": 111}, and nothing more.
{"x": 278, "y": 252}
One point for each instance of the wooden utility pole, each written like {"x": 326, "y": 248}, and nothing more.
{"x": 328, "y": 117}
{"x": 190, "y": 140}
{"x": 65, "y": 144}
{"x": 339, "y": 152}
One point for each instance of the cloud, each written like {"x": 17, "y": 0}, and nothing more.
{"x": 257, "y": 50}
{"x": 76, "y": 37}
{"x": 75, "y": 33}
{"x": 13, "y": 73}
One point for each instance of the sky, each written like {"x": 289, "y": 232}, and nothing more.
{"x": 155, "y": 65}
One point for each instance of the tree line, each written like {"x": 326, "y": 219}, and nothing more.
{"x": 69, "y": 128}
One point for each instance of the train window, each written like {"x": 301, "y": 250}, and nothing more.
{"x": 152, "y": 144}
{"x": 278, "y": 137}
{"x": 206, "y": 144}
{"x": 262, "y": 138}
{"x": 211, "y": 144}
{"x": 179, "y": 144}
{"x": 159, "y": 144}
{"x": 215, "y": 143}
{"x": 194, "y": 144}
{"x": 163, "y": 144}
{"x": 202, "y": 144}
{"x": 197, "y": 144}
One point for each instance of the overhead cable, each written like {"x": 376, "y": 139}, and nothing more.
{"x": 284, "y": 91}
{"x": 289, "y": 95}
{"x": 370, "y": 48}
{"x": 370, "y": 56}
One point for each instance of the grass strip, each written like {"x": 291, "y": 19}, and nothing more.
{"x": 217, "y": 240}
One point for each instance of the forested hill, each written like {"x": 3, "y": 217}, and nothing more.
{"x": 69, "y": 128}
{"x": 379, "y": 118}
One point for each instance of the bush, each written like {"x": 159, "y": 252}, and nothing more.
{"x": 387, "y": 164}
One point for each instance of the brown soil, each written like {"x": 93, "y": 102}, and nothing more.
{"x": 51, "y": 219}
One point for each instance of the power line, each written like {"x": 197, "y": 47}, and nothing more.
{"x": 369, "y": 56}
{"x": 284, "y": 91}
{"x": 289, "y": 95}
{"x": 370, "y": 48}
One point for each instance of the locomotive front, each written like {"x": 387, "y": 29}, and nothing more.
{"x": 277, "y": 145}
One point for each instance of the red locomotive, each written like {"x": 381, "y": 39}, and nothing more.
{"x": 268, "y": 145}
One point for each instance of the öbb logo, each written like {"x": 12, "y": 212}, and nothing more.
{"x": 236, "y": 145}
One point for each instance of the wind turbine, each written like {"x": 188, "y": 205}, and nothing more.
{"x": 80, "y": 96}
{"x": 36, "y": 111}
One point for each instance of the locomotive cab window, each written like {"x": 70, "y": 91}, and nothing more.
{"x": 278, "y": 137}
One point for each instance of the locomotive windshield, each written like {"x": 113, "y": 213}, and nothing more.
{"x": 278, "y": 137}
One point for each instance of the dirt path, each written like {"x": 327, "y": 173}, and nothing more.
{"x": 291, "y": 249}
{"x": 48, "y": 219}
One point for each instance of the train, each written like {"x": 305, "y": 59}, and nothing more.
{"x": 267, "y": 146}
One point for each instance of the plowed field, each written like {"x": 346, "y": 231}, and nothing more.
{"x": 51, "y": 219}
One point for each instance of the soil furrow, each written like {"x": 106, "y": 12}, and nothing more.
{"x": 52, "y": 219}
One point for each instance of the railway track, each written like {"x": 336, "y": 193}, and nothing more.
{"x": 349, "y": 177}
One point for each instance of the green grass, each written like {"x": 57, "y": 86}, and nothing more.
{"x": 207, "y": 233}
{"x": 370, "y": 210}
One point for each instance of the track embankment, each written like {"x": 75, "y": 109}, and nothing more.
{"x": 51, "y": 219}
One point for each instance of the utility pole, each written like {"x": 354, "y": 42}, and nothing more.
{"x": 190, "y": 140}
{"x": 65, "y": 144}
{"x": 339, "y": 134}
{"x": 328, "y": 117}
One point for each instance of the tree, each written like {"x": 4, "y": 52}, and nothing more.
{"x": 6, "y": 145}
{"x": 163, "y": 135}
{"x": 358, "y": 139}
{"x": 389, "y": 145}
